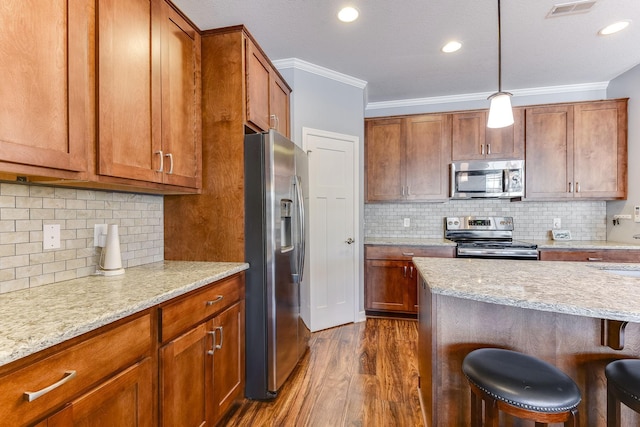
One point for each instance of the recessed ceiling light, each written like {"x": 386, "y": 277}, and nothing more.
{"x": 614, "y": 28}
{"x": 452, "y": 46}
{"x": 348, "y": 14}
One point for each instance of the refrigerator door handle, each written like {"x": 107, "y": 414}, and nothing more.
{"x": 301, "y": 228}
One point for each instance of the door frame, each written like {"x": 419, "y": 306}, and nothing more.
{"x": 358, "y": 315}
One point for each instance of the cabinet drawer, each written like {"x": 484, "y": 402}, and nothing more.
{"x": 597, "y": 255}
{"x": 408, "y": 252}
{"x": 187, "y": 311}
{"x": 92, "y": 360}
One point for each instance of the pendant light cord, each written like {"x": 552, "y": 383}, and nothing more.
{"x": 499, "y": 51}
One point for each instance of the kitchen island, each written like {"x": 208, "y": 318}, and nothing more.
{"x": 569, "y": 314}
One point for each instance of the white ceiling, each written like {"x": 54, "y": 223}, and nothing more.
{"x": 395, "y": 44}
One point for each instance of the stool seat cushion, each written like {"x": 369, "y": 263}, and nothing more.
{"x": 521, "y": 380}
{"x": 625, "y": 375}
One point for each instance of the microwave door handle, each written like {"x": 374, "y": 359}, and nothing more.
{"x": 505, "y": 180}
{"x": 452, "y": 180}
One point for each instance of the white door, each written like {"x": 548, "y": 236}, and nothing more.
{"x": 333, "y": 244}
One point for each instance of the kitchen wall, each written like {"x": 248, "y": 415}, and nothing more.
{"x": 627, "y": 85}
{"x": 532, "y": 220}
{"x": 24, "y": 209}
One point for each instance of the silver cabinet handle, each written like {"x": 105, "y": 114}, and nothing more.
{"x": 30, "y": 396}
{"x": 488, "y": 149}
{"x": 571, "y": 187}
{"x": 411, "y": 272}
{"x": 274, "y": 119}
{"x": 170, "y": 156}
{"x": 408, "y": 190}
{"x": 349, "y": 241}
{"x": 211, "y": 302}
{"x": 404, "y": 271}
{"x": 403, "y": 190}
{"x": 161, "y": 161}
{"x": 577, "y": 187}
{"x": 482, "y": 149}
{"x": 407, "y": 253}
{"x": 215, "y": 346}
{"x": 219, "y": 346}
{"x": 594, "y": 259}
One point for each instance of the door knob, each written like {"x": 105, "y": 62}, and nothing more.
{"x": 349, "y": 241}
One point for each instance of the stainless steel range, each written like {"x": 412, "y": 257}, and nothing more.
{"x": 487, "y": 237}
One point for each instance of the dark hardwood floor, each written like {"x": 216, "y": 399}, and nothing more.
{"x": 362, "y": 374}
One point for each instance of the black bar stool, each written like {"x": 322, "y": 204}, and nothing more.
{"x": 623, "y": 385}
{"x": 519, "y": 385}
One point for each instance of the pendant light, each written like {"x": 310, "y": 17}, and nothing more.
{"x": 500, "y": 112}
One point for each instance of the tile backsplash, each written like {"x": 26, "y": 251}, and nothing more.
{"x": 25, "y": 209}
{"x": 532, "y": 220}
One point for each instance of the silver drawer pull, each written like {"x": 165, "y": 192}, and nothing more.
{"x": 594, "y": 259}
{"x": 218, "y": 299}
{"x": 407, "y": 253}
{"x": 30, "y": 396}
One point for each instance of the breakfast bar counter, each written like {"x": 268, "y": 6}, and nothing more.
{"x": 573, "y": 315}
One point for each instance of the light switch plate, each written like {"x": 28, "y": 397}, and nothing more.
{"x": 407, "y": 222}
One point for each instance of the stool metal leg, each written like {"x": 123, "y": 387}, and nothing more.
{"x": 574, "y": 421}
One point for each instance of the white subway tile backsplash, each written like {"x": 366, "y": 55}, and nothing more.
{"x": 24, "y": 209}
{"x": 533, "y": 220}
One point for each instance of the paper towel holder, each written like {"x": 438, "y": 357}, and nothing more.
{"x": 111, "y": 259}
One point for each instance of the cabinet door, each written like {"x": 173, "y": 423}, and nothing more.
{"x": 186, "y": 379}
{"x": 180, "y": 100}
{"x": 384, "y": 160}
{"x": 600, "y": 149}
{"x": 257, "y": 87}
{"x": 427, "y": 151}
{"x": 468, "y": 135}
{"x": 549, "y": 152}
{"x": 386, "y": 286}
{"x": 506, "y": 142}
{"x": 473, "y": 140}
{"x": 45, "y": 92}
{"x": 124, "y": 400}
{"x": 128, "y": 54}
{"x": 228, "y": 358}
{"x": 279, "y": 105}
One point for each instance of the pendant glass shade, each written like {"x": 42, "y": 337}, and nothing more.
{"x": 500, "y": 113}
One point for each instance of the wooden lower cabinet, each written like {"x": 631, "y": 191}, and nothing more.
{"x": 391, "y": 279}
{"x": 129, "y": 374}
{"x": 202, "y": 370}
{"x": 124, "y": 400}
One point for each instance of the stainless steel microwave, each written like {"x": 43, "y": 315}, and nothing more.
{"x": 482, "y": 179}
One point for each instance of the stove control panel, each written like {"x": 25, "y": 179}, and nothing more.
{"x": 479, "y": 223}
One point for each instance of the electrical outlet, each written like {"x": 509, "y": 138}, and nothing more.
{"x": 51, "y": 236}
{"x": 407, "y": 222}
{"x": 557, "y": 223}
{"x": 636, "y": 214}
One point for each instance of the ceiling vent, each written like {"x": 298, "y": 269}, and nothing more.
{"x": 572, "y": 8}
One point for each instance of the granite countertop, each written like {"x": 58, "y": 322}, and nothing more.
{"x": 577, "y": 288}
{"x": 407, "y": 241}
{"x": 38, "y": 318}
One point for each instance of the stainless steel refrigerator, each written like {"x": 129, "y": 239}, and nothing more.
{"x": 276, "y": 336}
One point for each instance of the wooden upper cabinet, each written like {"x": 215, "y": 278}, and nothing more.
{"x": 148, "y": 93}
{"x": 181, "y": 117}
{"x": 577, "y": 151}
{"x": 407, "y": 158}
{"x": 600, "y": 149}
{"x": 279, "y": 102}
{"x": 427, "y": 151}
{"x": 472, "y": 140}
{"x": 45, "y": 102}
{"x": 384, "y": 159}
{"x": 129, "y": 117}
{"x": 267, "y": 103}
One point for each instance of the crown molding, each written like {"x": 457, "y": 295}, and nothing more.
{"x": 548, "y": 90}
{"x": 299, "y": 64}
